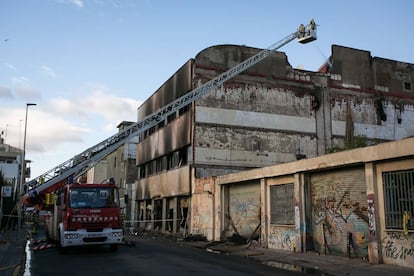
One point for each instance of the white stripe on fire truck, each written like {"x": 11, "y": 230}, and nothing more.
{"x": 94, "y": 219}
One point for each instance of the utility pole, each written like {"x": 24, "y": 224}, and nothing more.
{"x": 22, "y": 175}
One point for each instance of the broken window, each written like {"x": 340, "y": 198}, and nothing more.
{"x": 183, "y": 156}
{"x": 184, "y": 109}
{"x": 407, "y": 86}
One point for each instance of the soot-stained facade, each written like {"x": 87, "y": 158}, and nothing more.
{"x": 268, "y": 115}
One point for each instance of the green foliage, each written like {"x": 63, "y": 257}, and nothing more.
{"x": 360, "y": 141}
{"x": 333, "y": 149}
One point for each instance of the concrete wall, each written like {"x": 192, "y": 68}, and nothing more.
{"x": 203, "y": 208}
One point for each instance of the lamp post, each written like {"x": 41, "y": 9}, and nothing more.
{"x": 22, "y": 173}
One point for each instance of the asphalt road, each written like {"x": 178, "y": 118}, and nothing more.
{"x": 147, "y": 257}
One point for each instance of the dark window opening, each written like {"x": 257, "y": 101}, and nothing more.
{"x": 183, "y": 157}
{"x": 407, "y": 86}
{"x": 161, "y": 124}
{"x": 184, "y": 109}
{"x": 151, "y": 130}
{"x": 171, "y": 117}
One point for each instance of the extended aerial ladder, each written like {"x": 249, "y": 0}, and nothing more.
{"x": 81, "y": 163}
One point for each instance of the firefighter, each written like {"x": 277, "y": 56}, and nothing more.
{"x": 301, "y": 30}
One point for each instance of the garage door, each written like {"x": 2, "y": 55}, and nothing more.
{"x": 244, "y": 207}
{"x": 339, "y": 212}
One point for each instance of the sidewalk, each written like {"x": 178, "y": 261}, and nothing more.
{"x": 12, "y": 252}
{"x": 309, "y": 263}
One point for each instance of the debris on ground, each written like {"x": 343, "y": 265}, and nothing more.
{"x": 237, "y": 239}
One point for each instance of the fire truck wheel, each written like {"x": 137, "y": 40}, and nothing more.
{"x": 62, "y": 250}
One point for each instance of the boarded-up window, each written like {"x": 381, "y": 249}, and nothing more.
{"x": 282, "y": 204}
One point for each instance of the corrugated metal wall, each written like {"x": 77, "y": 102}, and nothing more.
{"x": 244, "y": 208}
{"x": 339, "y": 212}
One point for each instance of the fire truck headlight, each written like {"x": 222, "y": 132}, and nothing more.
{"x": 71, "y": 236}
{"x": 116, "y": 234}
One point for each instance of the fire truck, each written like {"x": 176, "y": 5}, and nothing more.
{"x": 76, "y": 221}
{"x": 85, "y": 214}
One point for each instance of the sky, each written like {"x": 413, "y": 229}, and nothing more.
{"x": 89, "y": 64}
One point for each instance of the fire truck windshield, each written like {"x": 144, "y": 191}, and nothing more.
{"x": 93, "y": 197}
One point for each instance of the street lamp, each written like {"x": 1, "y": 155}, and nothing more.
{"x": 22, "y": 172}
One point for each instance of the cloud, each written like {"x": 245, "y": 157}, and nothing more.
{"x": 79, "y": 3}
{"x": 96, "y": 101}
{"x": 5, "y": 93}
{"x": 10, "y": 66}
{"x": 20, "y": 80}
{"x": 27, "y": 93}
{"x": 62, "y": 127}
{"x": 46, "y": 131}
{"x": 48, "y": 71}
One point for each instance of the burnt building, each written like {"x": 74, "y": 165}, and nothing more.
{"x": 270, "y": 114}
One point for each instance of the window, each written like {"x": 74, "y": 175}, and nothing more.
{"x": 184, "y": 109}
{"x": 282, "y": 204}
{"x": 407, "y": 86}
{"x": 142, "y": 171}
{"x": 170, "y": 161}
{"x": 399, "y": 199}
{"x": 171, "y": 117}
{"x": 161, "y": 124}
{"x": 151, "y": 130}
{"x": 159, "y": 167}
{"x": 94, "y": 198}
{"x": 183, "y": 156}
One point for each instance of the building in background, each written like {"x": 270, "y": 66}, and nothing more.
{"x": 270, "y": 114}
{"x": 119, "y": 165}
{"x": 10, "y": 164}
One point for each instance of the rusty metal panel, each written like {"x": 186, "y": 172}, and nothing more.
{"x": 282, "y": 204}
{"x": 340, "y": 212}
{"x": 176, "y": 86}
{"x": 174, "y": 136}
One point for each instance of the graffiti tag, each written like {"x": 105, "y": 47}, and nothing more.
{"x": 395, "y": 251}
{"x": 371, "y": 217}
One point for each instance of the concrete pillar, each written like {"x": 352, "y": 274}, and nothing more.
{"x": 152, "y": 214}
{"x": 374, "y": 245}
{"x": 299, "y": 212}
{"x": 264, "y": 213}
{"x": 175, "y": 214}
{"x": 164, "y": 214}
{"x": 217, "y": 211}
